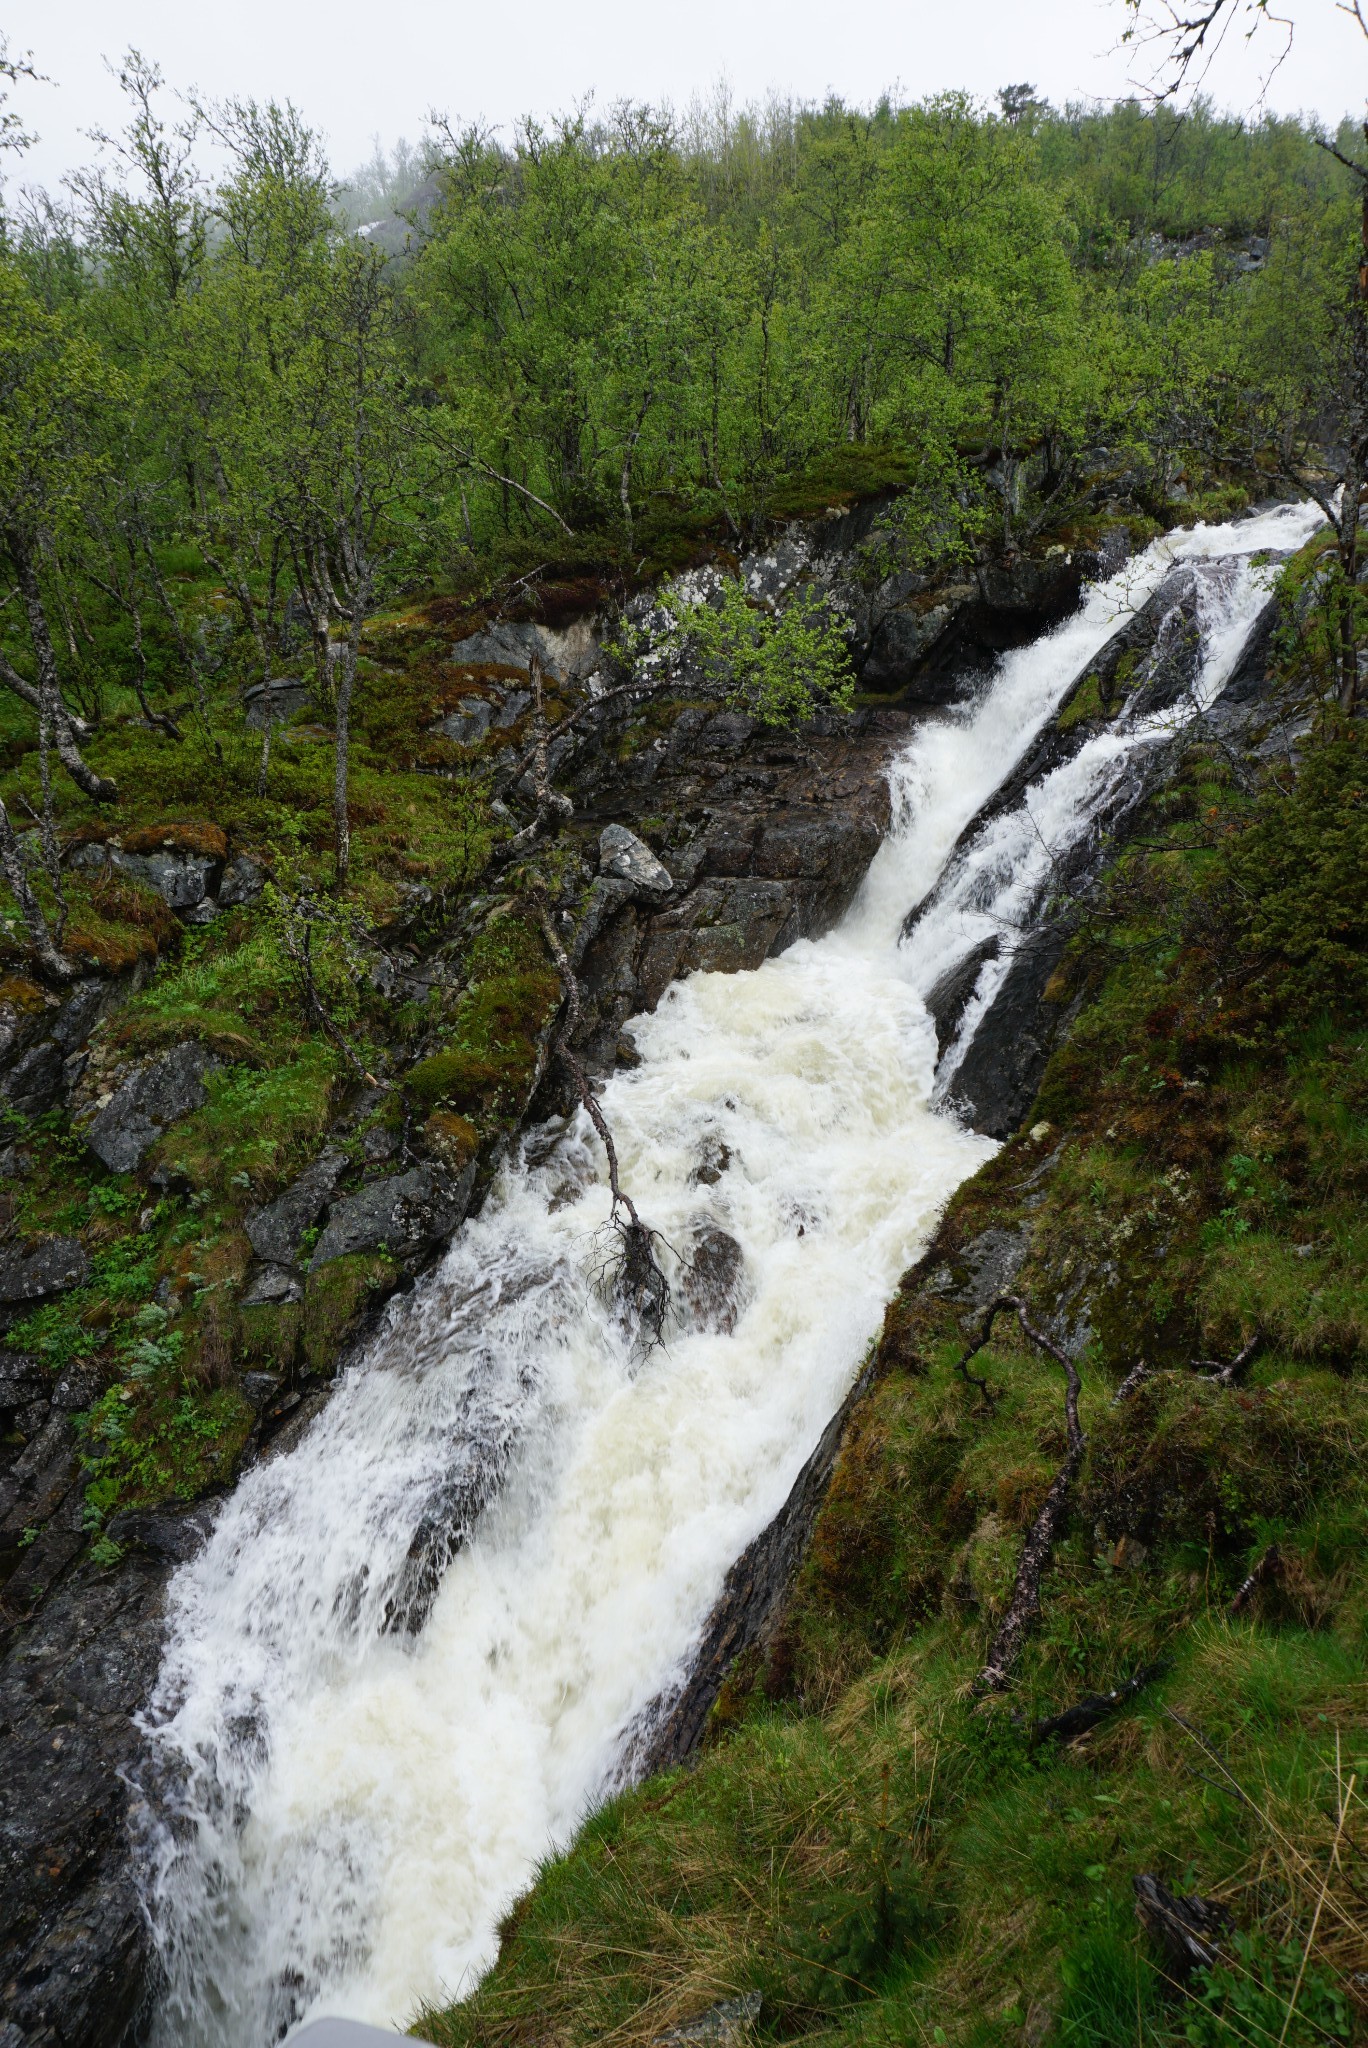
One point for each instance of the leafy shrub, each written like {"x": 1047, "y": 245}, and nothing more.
{"x": 1249, "y": 1998}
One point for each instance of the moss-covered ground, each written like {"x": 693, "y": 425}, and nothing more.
{"x": 885, "y": 1855}
{"x": 157, "y": 1325}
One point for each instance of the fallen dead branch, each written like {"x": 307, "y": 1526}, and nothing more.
{"x": 1098, "y": 1707}
{"x": 638, "y": 1279}
{"x": 1226, "y": 1375}
{"x": 1135, "y": 1378}
{"x": 1269, "y": 1568}
{"x": 1038, "y": 1548}
{"x": 1189, "y": 1931}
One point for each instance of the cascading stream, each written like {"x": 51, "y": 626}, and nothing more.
{"x": 994, "y": 890}
{"x": 340, "y": 1813}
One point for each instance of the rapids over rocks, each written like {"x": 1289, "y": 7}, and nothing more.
{"x": 339, "y": 1811}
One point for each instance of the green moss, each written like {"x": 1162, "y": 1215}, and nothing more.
{"x": 256, "y": 1128}
{"x": 487, "y": 1069}
{"x": 1184, "y": 1460}
{"x": 269, "y": 1334}
{"x": 1085, "y": 703}
{"x": 235, "y": 992}
{"x": 335, "y": 1297}
{"x": 171, "y": 1442}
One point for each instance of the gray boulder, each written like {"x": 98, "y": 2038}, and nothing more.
{"x": 22, "y": 1381}
{"x": 625, "y": 858}
{"x": 182, "y": 880}
{"x": 32, "y": 1274}
{"x": 469, "y": 723}
{"x": 769, "y": 575}
{"x": 475, "y": 716}
{"x": 289, "y": 700}
{"x": 271, "y": 1286}
{"x": 242, "y": 882}
{"x": 42, "y": 1071}
{"x": 76, "y": 1388}
{"x": 714, "y": 1282}
{"x": 722, "y": 2026}
{"x": 148, "y": 1103}
{"x": 570, "y": 651}
{"x": 34, "y": 1082}
{"x": 408, "y": 1213}
{"x": 274, "y": 1232}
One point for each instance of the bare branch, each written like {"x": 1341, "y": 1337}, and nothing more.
{"x": 1038, "y": 1548}
{"x": 466, "y": 458}
{"x": 640, "y": 1278}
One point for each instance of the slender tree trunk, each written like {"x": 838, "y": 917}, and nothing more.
{"x": 187, "y": 651}
{"x": 52, "y": 859}
{"x": 99, "y": 787}
{"x": 158, "y": 720}
{"x": 1351, "y": 502}
{"x": 51, "y": 960}
{"x": 626, "y": 481}
{"x": 268, "y": 701}
{"x": 346, "y": 684}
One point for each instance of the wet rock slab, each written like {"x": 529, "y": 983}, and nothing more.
{"x": 274, "y": 1232}
{"x": 145, "y": 1105}
{"x": 74, "y": 1944}
{"x": 405, "y": 1214}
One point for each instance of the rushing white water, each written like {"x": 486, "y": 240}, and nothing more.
{"x": 343, "y": 1814}
{"x": 996, "y": 884}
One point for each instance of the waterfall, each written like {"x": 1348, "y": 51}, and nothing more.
{"x": 338, "y": 1814}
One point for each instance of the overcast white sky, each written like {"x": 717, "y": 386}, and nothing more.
{"x": 360, "y": 70}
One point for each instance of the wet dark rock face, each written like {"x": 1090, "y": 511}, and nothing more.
{"x": 765, "y": 837}
{"x": 671, "y": 1727}
{"x": 408, "y": 1212}
{"x": 73, "y": 1936}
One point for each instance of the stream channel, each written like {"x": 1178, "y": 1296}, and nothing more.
{"x": 338, "y": 1814}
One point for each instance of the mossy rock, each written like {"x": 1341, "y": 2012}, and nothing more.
{"x": 1185, "y": 1460}
{"x": 334, "y": 1299}
{"x": 178, "y": 837}
{"x": 17, "y": 992}
{"x": 497, "y": 1026}
{"x": 269, "y": 1334}
{"x": 452, "y": 1139}
{"x": 115, "y": 923}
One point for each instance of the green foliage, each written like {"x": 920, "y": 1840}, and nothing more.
{"x": 1249, "y": 1998}
{"x": 781, "y": 666}
{"x": 174, "y": 1442}
{"x": 1295, "y": 885}
{"x": 257, "y": 1127}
